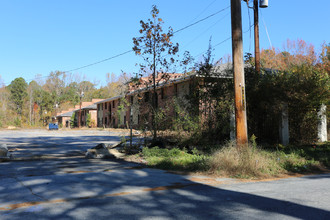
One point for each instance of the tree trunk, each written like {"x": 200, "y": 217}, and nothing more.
{"x": 154, "y": 98}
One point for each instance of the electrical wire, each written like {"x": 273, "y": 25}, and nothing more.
{"x": 101, "y": 61}
{"x": 248, "y": 9}
{"x": 205, "y": 31}
{"x": 223, "y": 42}
{"x": 121, "y": 54}
{"x": 201, "y": 12}
{"x": 263, "y": 21}
{"x": 188, "y": 26}
{"x": 28, "y": 80}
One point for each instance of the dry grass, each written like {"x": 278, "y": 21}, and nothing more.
{"x": 244, "y": 162}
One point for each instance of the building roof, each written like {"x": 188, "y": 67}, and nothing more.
{"x": 110, "y": 99}
{"x": 90, "y": 107}
{"x": 66, "y": 114}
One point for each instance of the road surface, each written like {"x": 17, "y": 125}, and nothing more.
{"x": 51, "y": 179}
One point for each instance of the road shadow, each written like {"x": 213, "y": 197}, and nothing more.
{"x": 77, "y": 188}
{"x": 121, "y": 190}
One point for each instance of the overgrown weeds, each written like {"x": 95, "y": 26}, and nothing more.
{"x": 256, "y": 162}
{"x": 244, "y": 162}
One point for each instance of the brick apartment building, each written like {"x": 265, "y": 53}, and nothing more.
{"x": 174, "y": 88}
{"x": 64, "y": 117}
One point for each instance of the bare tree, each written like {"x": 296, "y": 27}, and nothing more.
{"x": 157, "y": 50}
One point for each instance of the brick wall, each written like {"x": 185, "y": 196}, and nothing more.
{"x": 141, "y": 106}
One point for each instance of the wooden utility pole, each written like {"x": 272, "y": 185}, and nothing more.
{"x": 130, "y": 125}
{"x": 238, "y": 68}
{"x": 256, "y": 35}
{"x": 79, "y": 116}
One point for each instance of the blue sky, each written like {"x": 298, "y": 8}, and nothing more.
{"x": 39, "y": 36}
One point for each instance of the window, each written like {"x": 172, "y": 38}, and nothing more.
{"x": 162, "y": 93}
{"x": 132, "y": 98}
{"x": 176, "y": 89}
{"x": 106, "y": 121}
{"x": 146, "y": 97}
{"x": 106, "y": 106}
{"x": 113, "y": 104}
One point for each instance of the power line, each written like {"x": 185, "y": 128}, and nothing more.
{"x": 205, "y": 31}
{"x": 188, "y": 26}
{"x": 101, "y": 61}
{"x": 26, "y": 80}
{"x": 248, "y": 10}
{"x": 126, "y": 52}
{"x": 227, "y": 39}
{"x": 202, "y": 12}
{"x": 263, "y": 21}
{"x": 121, "y": 54}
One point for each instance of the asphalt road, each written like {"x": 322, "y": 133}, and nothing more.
{"x": 50, "y": 179}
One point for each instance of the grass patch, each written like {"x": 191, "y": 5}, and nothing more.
{"x": 249, "y": 162}
{"x": 175, "y": 159}
{"x": 315, "y": 152}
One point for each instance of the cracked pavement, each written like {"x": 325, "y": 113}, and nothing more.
{"x": 51, "y": 179}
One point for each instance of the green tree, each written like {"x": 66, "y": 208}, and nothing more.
{"x": 4, "y": 103}
{"x": 71, "y": 93}
{"x": 55, "y": 85}
{"x": 88, "y": 88}
{"x": 89, "y": 120}
{"x": 73, "y": 121}
{"x": 298, "y": 77}
{"x": 18, "y": 92}
{"x": 32, "y": 88}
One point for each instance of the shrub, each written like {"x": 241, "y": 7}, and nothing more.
{"x": 73, "y": 121}
{"x": 88, "y": 120}
{"x": 18, "y": 122}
